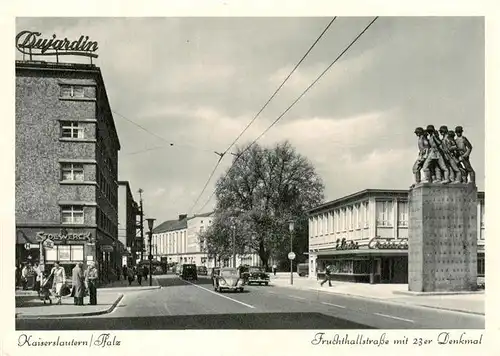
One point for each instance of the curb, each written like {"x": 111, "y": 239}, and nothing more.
{"x": 386, "y": 300}
{"x": 99, "y": 312}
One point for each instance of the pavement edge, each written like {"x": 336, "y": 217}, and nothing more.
{"x": 99, "y": 312}
{"x": 385, "y": 300}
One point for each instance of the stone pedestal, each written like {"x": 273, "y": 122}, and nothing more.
{"x": 442, "y": 244}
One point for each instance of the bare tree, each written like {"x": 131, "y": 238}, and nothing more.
{"x": 264, "y": 189}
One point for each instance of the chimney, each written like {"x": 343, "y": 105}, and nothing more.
{"x": 182, "y": 217}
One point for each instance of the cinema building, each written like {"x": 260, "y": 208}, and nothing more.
{"x": 365, "y": 236}
{"x": 66, "y": 167}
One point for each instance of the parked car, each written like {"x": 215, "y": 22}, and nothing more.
{"x": 303, "y": 269}
{"x": 188, "y": 271}
{"x": 228, "y": 279}
{"x": 256, "y": 275}
{"x": 202, "y": 270}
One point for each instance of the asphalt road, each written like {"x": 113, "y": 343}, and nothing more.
{"x": 186, "y": 305}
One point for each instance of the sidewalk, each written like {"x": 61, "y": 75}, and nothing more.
{"x": 122, "y": 284}
{"x": 30, "y": 306}
{"x": 472, "y": 303}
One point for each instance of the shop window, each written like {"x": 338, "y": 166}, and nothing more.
{"x": 384, "y": 213}
{"x": 71, "y": 129}
{"x": 72, "y": 171}
{"x": 72, "y": 91}
{"x": 64, "y": 253}
{"x": 72, "y": 214}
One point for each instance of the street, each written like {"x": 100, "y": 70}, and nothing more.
{"x": 194, "y": 305}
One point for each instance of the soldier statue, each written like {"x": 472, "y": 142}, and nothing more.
{"x": 448, "y": 147}
{"x": 435, "y": 159}
{"x": 456, "y": 154}
{"x": 464, "y": 150}
{"x": 423, "y": 148}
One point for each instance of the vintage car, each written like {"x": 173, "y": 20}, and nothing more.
{"x": 202, "y": 270}
{"x": 188, "y": 271}
{"x": 255, "y": 275}
{"x": 228, "y": 279}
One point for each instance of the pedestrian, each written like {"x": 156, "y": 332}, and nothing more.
{"x": 328, "y": 273}
{"x": 139, "y": 273}
{"x": 130, "y": 275}
{"x": 124, "y": 271}
{"x": 45, "y": 287}
{"x": 18, "y": 275}
{"x": 91, "y": 277}
{"x": 145, "y": 272}
{"x": 24, "y": 276}
{"x": 59, "y": 280}
{"x": 274, "y": 269}
{"x": 38, "y": 278}
{"x": 78, "y": 280}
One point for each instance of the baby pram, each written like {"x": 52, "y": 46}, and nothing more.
{"x": 45, "y": 287}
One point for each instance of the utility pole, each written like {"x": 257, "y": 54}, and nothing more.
{"x": 141, "y": 223}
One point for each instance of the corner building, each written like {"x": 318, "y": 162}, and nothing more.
{"x": 365, "y": 236}
{"x": 66, "y": 167}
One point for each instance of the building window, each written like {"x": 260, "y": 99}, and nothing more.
{"x": 480, "y": 266}
{"x": 72, "y": 214}
{"x": 337, "y": 221}
{"x": 402, "y": 213}
{"x": 71, "y": 129}
{"x": 384, "y": 213}
{"x": 482, "y": 215}
{"x": 365, "y": 215}
{"x": 72, "y": 171}
{"x": 72, "y": 91}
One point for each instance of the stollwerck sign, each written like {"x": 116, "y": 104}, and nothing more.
{"x": 31, "y": 43}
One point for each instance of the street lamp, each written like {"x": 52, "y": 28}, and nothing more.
{"x": 291, "y": 255}
{"x": 151, "y": 222}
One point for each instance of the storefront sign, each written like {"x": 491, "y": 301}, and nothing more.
{"x": 344, "y": 245}
{"x": 59, "y": 237}
{"x": 107, "y": 248}
{"x": 388, "y": 244}
{"x": 31, "y": 43}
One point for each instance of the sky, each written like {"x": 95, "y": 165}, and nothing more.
{"x": 197, "y": 82}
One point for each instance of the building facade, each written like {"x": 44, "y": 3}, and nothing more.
{"x": 66, "y": 167}
{"x": 365, "y": 236}
{"x": 127, "y": 221}
{"x": 178, "y": 241}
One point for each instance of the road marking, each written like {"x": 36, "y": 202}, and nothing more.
{"x": 394, "y": 317}
{"x": 333, "y": 305}
{"x": 271, "y": 292}
{"x": 292, "y": 296}
{"x": 220, "y": 295}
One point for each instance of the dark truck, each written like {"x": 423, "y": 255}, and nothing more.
{"x": 254, "y": 274}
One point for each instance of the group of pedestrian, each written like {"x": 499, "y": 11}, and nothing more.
{"x": 55, "y": 282}
{"x": 130, "y": 273}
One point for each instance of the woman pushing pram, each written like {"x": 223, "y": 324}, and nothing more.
{"x": 45, "y": 287}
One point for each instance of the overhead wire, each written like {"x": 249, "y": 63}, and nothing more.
{"x": 264, "y": 106}
{"x": 292, "y": 105}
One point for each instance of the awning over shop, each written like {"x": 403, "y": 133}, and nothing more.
{"x": 371, "y": 252}
{"x": 22, "y": 238}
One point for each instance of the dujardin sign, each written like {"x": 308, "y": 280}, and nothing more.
{"x": 345, "y": 245}
{"x": 33, "y": 43}
{"x": 41, "y": 236}
{"x": 388, "y": 244}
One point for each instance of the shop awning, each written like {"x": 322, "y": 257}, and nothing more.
{"x": 22, "y": 239}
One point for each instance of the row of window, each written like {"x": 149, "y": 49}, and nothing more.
{"x": 72, "y": 91}
{"x": 340, "y": 220}
{"x": 172, "y": 242}
{"x": 107, "y": 189}
{"x": 104, "y": 222}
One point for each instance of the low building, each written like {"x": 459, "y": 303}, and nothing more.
{"x": 365, "y": 236}
{"x": 127, "y": 221}
{"x": 178, "y": 241}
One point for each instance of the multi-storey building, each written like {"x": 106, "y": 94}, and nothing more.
{"x": 365, "y": 235}
{"x": 179, "y": 242}
{"x": 66, "y": 166}
{"x": 127, "y": 221}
